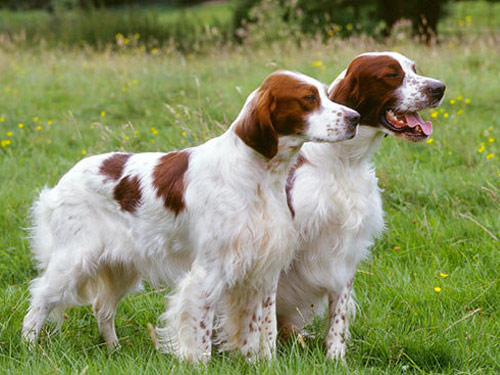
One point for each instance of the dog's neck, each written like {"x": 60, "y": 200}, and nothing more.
{"x": 274, "y": 170}
{"x": 356, "y": 152}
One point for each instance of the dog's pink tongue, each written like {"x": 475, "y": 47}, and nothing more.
{"x": 414, "y": 119}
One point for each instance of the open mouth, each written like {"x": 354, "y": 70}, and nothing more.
{"x": 408, "y": 124}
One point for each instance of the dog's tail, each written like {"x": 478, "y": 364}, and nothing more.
{"x": 40, "y": 232}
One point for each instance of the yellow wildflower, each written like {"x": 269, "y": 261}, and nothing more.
{"x": 490, "y": 156}
{"x": 2, "y": 119}
{"x": 460, "y": 111}
{"x": 5, "y": 143}
{"x": 482, "y": 148}
{"x": 137, "y": 36}
{"x": 452, "y": 101}
{"x": 461, "y": 97}
{"x": 154, "y": 51}
{"x": 435, "y": 114}
{"x": 437, "y": 289}
{"x": 430, "y": 140}
{"x": 126, "y": 138}
{"x": 103, "y": 113}
{"x": 136, "y": 132}
{"x": 35, "y": 119}
{"x": 491, "y": 139}
{"x": 468, "y": 19}
{"x": 317, "y": 63}
{"x": 20, "y": 125}
{"x": 331, "y": 32}
{"x": 446, "y": 115}
{"x": 50, "y": 122}
{"x": 348, "y": 26}
{"x": 83, "y": 152}
{"x": 467, "y": 101}
{"x": 10, "y": 134}
{"x": 154, "y": 131}
{"x": 38, "y": 128}
{"x": 443, "y": 275}
{"x": 119, "y": 36}
{"x": 7, "y": 89}
{"x": 184, "y": 134}
{"x": 441, "y": 110}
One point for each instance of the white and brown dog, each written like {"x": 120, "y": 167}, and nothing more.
{"x": 334, "y": 195}
{"x": 212, "y": 221}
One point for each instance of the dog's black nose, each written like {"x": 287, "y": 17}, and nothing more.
{"x": 436, "y": 89}
{"x": 353, "y": 118}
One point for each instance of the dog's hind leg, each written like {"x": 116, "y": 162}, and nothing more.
{"x": 115, "y": 282}
{"x": 55, "y": 289}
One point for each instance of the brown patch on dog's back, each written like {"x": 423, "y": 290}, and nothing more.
{"x": 128, "y": 193}
{"x": 113, "y": 166}
{"x": 301, "y": 160}
{"x": 168, "y": 179}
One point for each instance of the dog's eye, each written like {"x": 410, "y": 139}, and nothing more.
{"x": 311, "y": 98}
{"x": 392, "y": 75}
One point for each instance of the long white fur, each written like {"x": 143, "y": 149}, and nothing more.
{"x": 338, "y": 213}
{"x": 227, "y": 246}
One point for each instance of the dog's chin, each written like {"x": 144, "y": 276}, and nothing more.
{"x": 407, "y": 126}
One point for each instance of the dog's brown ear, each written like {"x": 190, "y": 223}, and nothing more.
{"x": 346, "y": 91}
{"x": 255, "y": 127}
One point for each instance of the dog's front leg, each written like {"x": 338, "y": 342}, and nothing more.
{"x": 189, "y": 319}
{"x": 338, "y": 331}
{"x": 268, "y": 328}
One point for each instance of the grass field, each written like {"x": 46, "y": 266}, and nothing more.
{"x": 430, "y": 296}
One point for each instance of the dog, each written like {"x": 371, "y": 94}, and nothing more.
{"x": 211, "y": 221}
{"x": 334, "y": 195}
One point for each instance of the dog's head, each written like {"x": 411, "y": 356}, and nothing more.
{"x": 387, "y": 92}
{"x": 292, "y": 104}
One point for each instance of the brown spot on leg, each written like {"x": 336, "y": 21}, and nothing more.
{"x": 128, "y": 193}
{"x": 168, "y": 179}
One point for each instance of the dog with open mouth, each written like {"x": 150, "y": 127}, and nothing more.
{"x": 333, "y": 191}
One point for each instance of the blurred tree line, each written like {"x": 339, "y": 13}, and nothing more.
{"x": 374, "y": 17}
{"x": 344, "y": 17}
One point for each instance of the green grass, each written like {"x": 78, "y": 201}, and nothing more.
{"x": 184, "y": 28}
{"x": 441, "y": 201}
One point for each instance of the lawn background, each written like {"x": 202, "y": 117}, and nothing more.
{"x": 58, "y": 105}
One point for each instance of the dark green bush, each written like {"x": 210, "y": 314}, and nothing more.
{"x": 350, "y": 16}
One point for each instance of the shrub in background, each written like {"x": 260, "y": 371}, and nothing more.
{"x": 346, "y": 17}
